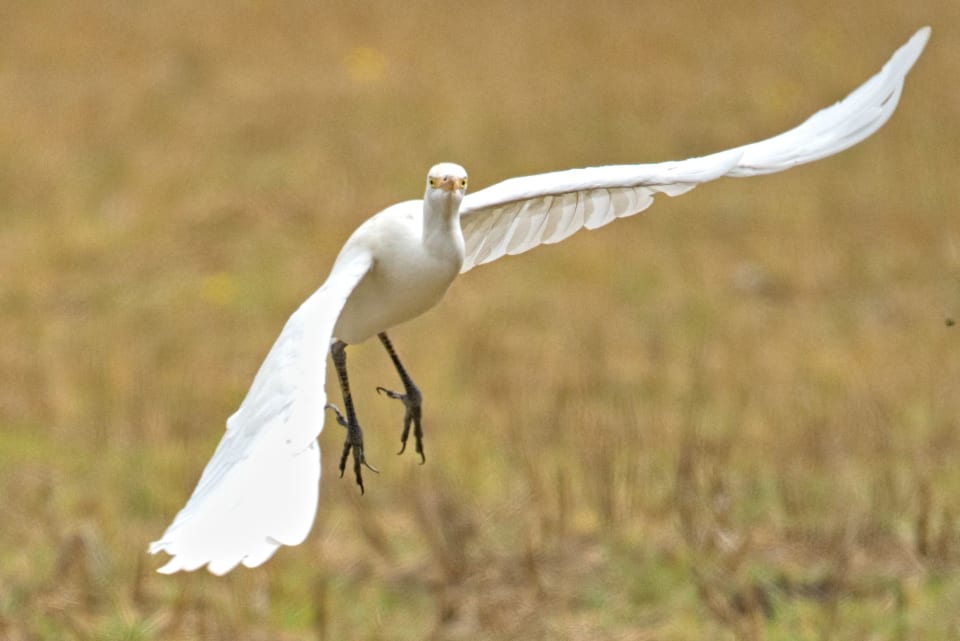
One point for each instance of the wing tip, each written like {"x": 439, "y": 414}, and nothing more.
{"x": 922, "y": 36}
{"x": 910, "y": 52}
{"x": 217, "y": 565}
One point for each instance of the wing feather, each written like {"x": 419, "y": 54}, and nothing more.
{"x": 259, "y": 490}
{"x": 518, "y": 214}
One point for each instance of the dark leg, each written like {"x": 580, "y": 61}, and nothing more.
{"x": 411, "y": 400}
{"x": 354, "y": 440}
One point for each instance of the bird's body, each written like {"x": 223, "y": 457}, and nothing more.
{"x": 417, "y": 258}
{"x": 259, "y": 490}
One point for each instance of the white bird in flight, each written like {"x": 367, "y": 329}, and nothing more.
{"x": 260, "y": 489}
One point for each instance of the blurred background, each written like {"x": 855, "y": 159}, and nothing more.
{"x": 733, "y": 417}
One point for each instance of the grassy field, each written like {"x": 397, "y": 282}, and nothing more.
{"x": 735, "y": 417}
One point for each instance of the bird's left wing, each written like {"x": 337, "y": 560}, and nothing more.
{"x": 259, "y": 490}
{"x": 516, "y": 215}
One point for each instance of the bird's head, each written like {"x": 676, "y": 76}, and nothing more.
{"x": 446, "y": 185}
{"x": 446, "y": 178}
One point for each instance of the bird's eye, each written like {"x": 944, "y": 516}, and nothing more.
{"x": 433, "y": 182}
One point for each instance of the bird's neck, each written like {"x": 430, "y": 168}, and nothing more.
{"x": 441, "y": 226}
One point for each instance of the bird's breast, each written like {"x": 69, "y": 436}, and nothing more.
{"x": 408, "y": 278}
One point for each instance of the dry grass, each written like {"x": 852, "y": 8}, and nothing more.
{"x": 735, "y": 417}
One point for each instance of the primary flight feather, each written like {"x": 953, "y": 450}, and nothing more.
{"x": 259, "y": 491}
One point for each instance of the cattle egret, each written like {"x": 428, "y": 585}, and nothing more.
{"x": 259, "y": 491}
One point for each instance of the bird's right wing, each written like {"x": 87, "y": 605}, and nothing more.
{"x": 259, "y": 490}
{"x": 519, "y": 214}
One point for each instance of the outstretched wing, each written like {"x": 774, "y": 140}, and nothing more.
{"x": 259, "y": 491}
{"x": 521, "y": 213}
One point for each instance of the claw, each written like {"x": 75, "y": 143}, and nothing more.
{"x": 411, "y": 402}
{"x": 353, "y": 443}
{"x": 390, "y": 393}
{"x": 336, "y": 410}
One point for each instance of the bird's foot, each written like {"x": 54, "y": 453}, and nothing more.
{"x": 353, "y": 443}
{"x": 412, "y": 402}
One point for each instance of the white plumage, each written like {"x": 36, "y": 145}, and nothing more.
{"x": 259, "y": 491}
{"x": 521, "y": 213}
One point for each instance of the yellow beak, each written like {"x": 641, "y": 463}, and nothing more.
{"x": 451, "y": 183}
